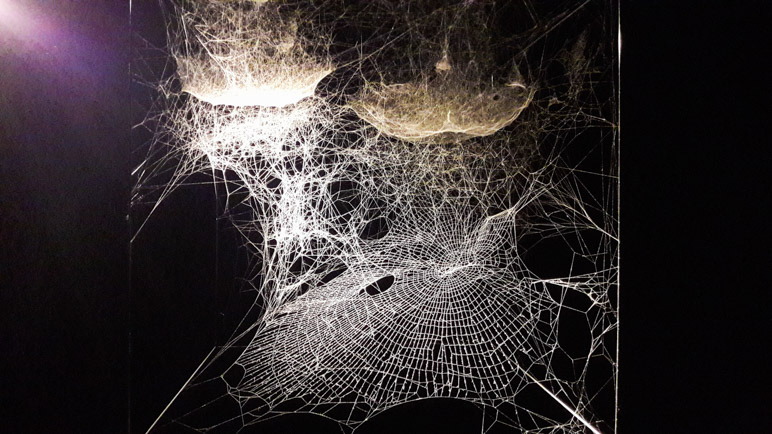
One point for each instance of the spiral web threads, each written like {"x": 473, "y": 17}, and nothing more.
{"x": 400, "y": 195}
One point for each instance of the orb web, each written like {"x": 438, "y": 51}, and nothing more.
{"x": 432, "y": 217}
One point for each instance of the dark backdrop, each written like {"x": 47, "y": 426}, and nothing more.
{"x": 695, "y": 322}
{"x": 64, "y": 189}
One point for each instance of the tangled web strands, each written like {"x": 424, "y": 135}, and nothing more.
{"x": 244, "y": 54}
{"x": 399, "y": 220}
{"x": 285, "y": 160}
{"x": 437, "y": 308}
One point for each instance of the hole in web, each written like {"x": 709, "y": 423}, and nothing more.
{"x": 379, "y": 286}
{"x": 375, "y": 229}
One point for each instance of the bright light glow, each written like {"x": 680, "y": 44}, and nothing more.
{"x": 12, "y": 17}
{"x": 22, "y": 23}
{"x": 275, "y": 87}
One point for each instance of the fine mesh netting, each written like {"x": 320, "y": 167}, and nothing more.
{"x": 426, "y": 193}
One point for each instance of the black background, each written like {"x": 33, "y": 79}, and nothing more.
{"x": 694, "y": 320}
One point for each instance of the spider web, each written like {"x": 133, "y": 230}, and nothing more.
{"x": 427, "y": 192}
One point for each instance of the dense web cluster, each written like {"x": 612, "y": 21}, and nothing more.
{"x": 427, "y": 190}
{"x": 448, "y": 109}
{"x": 245, "y": 56}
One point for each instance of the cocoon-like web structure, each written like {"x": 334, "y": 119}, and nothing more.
{"x": 441, "y": 110}
{"x": 246, "y": 54}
